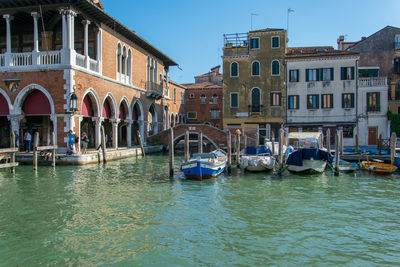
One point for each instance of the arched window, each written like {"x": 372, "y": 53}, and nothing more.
{"x": 119, "y": 58}
{"x": 255, "y": 100}
{"x": 275, "y": 67}
{"x": 234, "y": 69}
{"x": 215, "y": 99}
{"x": 124, "y": 61}
{"x": 174, "y": 95}
{"x": 203, "y": 99}
{"x": 255, "y": 68}
{"x": 129, "y": 68}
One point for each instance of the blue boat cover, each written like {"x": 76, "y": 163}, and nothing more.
{"x": 258, "y": 150}
{"x": 296, "y": 158}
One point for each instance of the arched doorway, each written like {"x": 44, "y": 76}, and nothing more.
{"x": 152, "y": 121}
{"x": 89, "y": 110}
{"x": 172, "y": 120}
{"x": 123, "y": 115}
{"x": 137, "y": 118}
{"x": 108, "y": 113}
{"x": 36, "y": 109}
{"x": 4, "y": 123}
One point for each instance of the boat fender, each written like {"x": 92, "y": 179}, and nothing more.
{"x": 210, "y": 160}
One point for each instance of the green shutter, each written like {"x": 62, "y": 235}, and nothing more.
{"x": 297, "y": 77}
{"x": 331, "y": 100}
{"x": 352, "y": 100}
{"x": 342, "y": 73}
{"x": 322, "y": 101}
{"x": 352, "y": 73}
{"x": 332, "y": 74}
{"x": 318, "y": 74}
{"x": 298, "y": 102}
{"x": 307, "y": 74}
{"x": 378, "y": 101}
{"x": 342, "y": 100}
{"x": 317, "y": 98}
{"x": 271, "y": 99}
{"x": 280, "y": 99}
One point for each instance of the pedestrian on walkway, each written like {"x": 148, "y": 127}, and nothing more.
{"x": 85, "y": 141}
{"x": 27, "y": 141}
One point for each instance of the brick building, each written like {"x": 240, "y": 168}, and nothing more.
{"x": 204, "y": 98}
{"x": 254, "y": 82}
{"x": 54, "y": 50}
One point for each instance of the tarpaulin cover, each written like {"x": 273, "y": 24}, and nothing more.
{"x": 258, "y": 150}
{"x": 296, "y": 158}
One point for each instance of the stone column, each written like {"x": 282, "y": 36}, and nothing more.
{"x": 99, "y": 50}
{"x": 142, "y": 127}
{"x": 97, "y": 121}
{"x": 129, "y": 133}
{"x": 68, "y": 20}
{"x": 115, "y": 123}
{"x": 35, "y": 51}
{"x": 8, "y": 19}
{"x": 86, "y": 24}
{"x": 53, "y": 118}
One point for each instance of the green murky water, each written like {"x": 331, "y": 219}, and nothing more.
{"x": 129, "y": 213}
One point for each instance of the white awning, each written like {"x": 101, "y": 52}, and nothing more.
{"x": 304, "y": 135}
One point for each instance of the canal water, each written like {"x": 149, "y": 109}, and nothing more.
{"x": 129, "y": 213}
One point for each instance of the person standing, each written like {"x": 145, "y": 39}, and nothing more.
{"x": 16, "y": 139}
{"x": 71, "y": 138}
{"x": 27, "y": 140}
{"x": 85, "y": 141}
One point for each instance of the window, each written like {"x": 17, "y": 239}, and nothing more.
{"x": 275, "y": 67}
{"x": 348, "y": 131}
{"x": 234, "y": 100}
{"x": 293, "y": 102}
{"x": 312, "y": 101}
{"x": 373, "y": 101}
{"x": 275, "y": 99}
{"x": 347, "y": 73}
{"x": 293, "y": 76}
{"x": 255, "y": 106}
{"x": 174, "y": 95}
{"x": 275, "y": 42}
{"x": 203, "y": 99}
{"x": 327, "y": 74}
{"x": 347, "y": 100}
{"x": 234, "y": 69}
{"x": 191, "y": 95}
{"x": 312, "y": 75}
{"x": 396, "y": 63}
{"x": 215, "y": 99}
{"x": 192, "y": 115}
{"x": 215, "y": 114}
{"x": 255, "y": 43}
{"x": 182, "y": 98}
{"x": 255, "y": 68}
{"x": 327, "y": 101}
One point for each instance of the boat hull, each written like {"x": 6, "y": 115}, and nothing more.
{"x": 309, "y": 166}
{"x": 199, "y": 170}
{"x": 379, "y": 168}
{"x": 257, "y": 163}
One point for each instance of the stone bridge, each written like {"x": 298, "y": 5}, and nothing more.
{"x": 214, "y": 135}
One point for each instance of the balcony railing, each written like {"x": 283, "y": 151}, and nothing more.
{"x": 50, "y": 58}
{"x": 21, "y": 59}
{"x": 80, "y": 60}
{"x": 372, "y": 82}
{"x": 255, "y": 109}
{"x": 93, "y": 65}
{"x": 154, "y": 89}
{"x": 373, "y": 108}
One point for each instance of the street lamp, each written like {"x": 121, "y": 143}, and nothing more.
{"x": 73, "y": 103}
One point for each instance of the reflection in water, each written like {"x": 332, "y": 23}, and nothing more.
{"x": 129, "y": 212}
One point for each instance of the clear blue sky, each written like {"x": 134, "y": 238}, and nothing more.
{"x": 191, "y": 32}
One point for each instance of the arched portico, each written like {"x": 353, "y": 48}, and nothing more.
{"x": 110, "y": 123}
{"x": 137, "y": 121}
{"x": 124, "y": 123}
{"x": 5, "y": 107}
{"x": 90, "y": 120}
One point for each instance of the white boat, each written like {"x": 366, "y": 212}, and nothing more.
{"x": 205, "y": 165}
{"x": 307, "y": 156}
{"x": 257, "y": 159}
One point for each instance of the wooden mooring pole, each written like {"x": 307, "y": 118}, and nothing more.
{"x": 356, "y": 150}
{"x": 328, "y": 140}
{"x": 229, "y": 144}
{"x": 337, "y": 141}
{"x": 53, "y": 151}
{"x": 140, "y": 142}
{"x": 341, "y": 142}
{"x": 380, "y": 144}
{"x": 12, "y": 155}
{"x": 187, "y": 144}
{"x": 393, "y": 140}
{"x": 280, "y": 150}
{"x": 238, "y": 150}
{"x": 245, "y": 142}
{"x": 103, "y": 143}
{"x": 171, "y": 152}
{"x": 35, "y": 150}
{"x": 200, "y": 142}
{"x": 273, "y": 142}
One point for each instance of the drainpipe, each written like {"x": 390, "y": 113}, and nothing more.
{"x": 356, "y": 101}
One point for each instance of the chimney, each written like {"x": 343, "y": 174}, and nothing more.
{"x": 340, "y": 41}
{"x": 216, "y": 69}
{"x": 363, "y": 38}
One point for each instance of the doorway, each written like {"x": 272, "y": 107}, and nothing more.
{"x": 372, "y": 136}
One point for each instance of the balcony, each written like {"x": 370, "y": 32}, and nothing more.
{"x": 372, "y": 82}
{"x": 154, "y": 90}
{"x": 255, "y": 109}
{"x": 30, "y": 59}
{"x": 373, "y": 108}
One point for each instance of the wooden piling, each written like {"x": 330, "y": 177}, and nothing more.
{"x": 341, "y": 142}
{"x": 280, "y": 149}
{"x": 393, "y": 140}
{"x": 35, "y": 150}
{"x": 273, "y": 142}
{"x": 171, "y": 152}
{"x": 337, "y": 143}
{"x": 187, "y": 144}
{"x": 328, "y": 140}
{"x": 380, "y": 144}
{"x": 238, "y": 150}
{"x": 140, "y": 142}
{"x": 103, "y": 143}
{"x": 229, "y": 136}
{"x": 12, "y": 155}
{"x": 200, "y": 142}
{"x": 356, "y": 150}
{"x": 53, "y": 151}
{"x": 245, "y": 142}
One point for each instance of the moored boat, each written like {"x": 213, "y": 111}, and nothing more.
{"x": 345, "y": 166}
{"x": 205, "y": 165}
{"x": 379, "y": 167}
{"x": 257, "y": 159}
{"x": 308, "y": 157}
